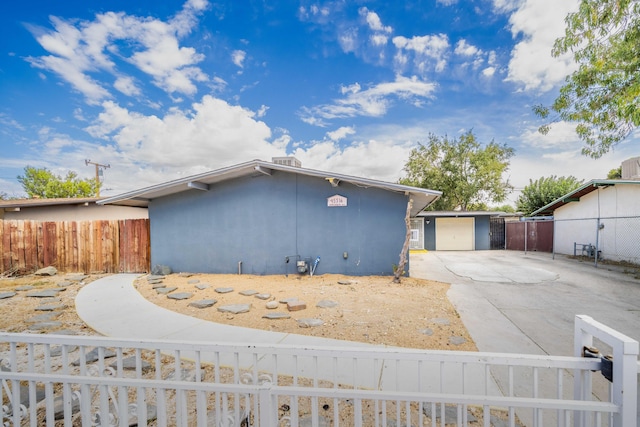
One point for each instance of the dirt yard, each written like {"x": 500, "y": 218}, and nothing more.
{"x": 415, "y": 313}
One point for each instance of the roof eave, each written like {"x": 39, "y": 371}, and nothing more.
{"x": 142, "y": 196}
{"x": 569, "y": 197}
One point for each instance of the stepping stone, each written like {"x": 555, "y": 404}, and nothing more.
{"x": 155, "y": 277}
{"x": 76, "y": 277}
{"x": 235, "y": 308}
{"x": 155, "y": 281}
{"x": 64, "y": 284}
{"x": 203, "y": 286}
{"x": 47, "y": 271}
{"x": 450, "y": 413}
{"x": 427, "y": 331}
{"x": 25, "y": 288}
{"x": 47, "y": 293}
{"x": 223, "y": 290}
{"x": 180, "y": 295}
{"x": 309, "y": 323}
{"x": 326, "y": 304}
{"x": 203, "y": 303}
{"x": 160, "y": 270}
{"x": 50, "y": 307}
{"x": 272, "y": 304}
{"x": 5, "y": 295}
{"x": 46, "y": 317}
{"x": 248, "y": 292}
{"x": 288, "y": 300}
{"x": 152, "y": 415}
{"x": 263, "y": 296}
{"x": 57, "y": 350}
{"x": 441, "y": 321}
{"x": 165, "y": 290}
{"x": 185, "y": 274}
{"x": 296, "y": 305}
{"x": 24, "y": 397}
{"x": 92, "y": 356}
{"x": 347, "y": 282}
{"x": 129, "y": 364}
{"x": 185, "y": 375}
{"x": 307, "y": 421}
{"x": 58, "y": 407}
{"x": 274, "y": 316}
{"x": 457, "y": 340}
{"x": 45, "y": 325}
{"x": 213, "y": 419}
{"x": 66, "y": 332}
{"x": 158, "y": 285}
{"x": 193, "y": 281}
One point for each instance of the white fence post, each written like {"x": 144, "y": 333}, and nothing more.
{"x": 624, "y": 391}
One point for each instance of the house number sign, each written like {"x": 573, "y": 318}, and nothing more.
{"x": 336, "y": 201}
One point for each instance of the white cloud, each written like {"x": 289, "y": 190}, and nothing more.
{"x": 505, "y": 6}
{"x": 379, "y": 39}
{"x": 561, "y": 136}
{"x": 539, "y": 23}
{"x": 262, "y": 111}
{"x": 212, "y": 133}
{"x": 465, "y": 49}
{"x": 127, "y": 86}
{"x": 425, "y": 49}
{"x": 489, "y": 71}
{"x": 348, "y": 39}
{"x": 77, "y": 49}
{"x": 237, "y": 57}
{"x": 341, "y": 133}
{"x": 374, "y": 159}
{"x": 373, "y": 21}
{"x": 372, "y": 102}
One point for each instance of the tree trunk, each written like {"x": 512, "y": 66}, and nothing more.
{"x": 399, "y": 271}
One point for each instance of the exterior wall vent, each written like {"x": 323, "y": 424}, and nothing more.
{"x": 287, "y": 161}
{"x": 631, "y": 168}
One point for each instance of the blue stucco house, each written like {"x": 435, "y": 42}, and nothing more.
{"x": 264, "y": 217}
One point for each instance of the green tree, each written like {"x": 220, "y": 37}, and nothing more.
{"x": 603, "y": 95}
{"x": 615, "y": 173}
{"x": 41, "y": 182}
{"x": 467, "y": 173}
{"x": 543, "y": 191}
{"x": 504, "y": 208}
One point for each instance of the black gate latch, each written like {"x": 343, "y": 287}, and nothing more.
{"x": 606, "y": 362}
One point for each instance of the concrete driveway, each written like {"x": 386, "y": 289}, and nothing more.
{"x": 526, "y": 303}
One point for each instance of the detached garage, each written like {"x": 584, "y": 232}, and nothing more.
{"x": 455, "y": 234}
{"x": 455, "y": 231}
{"x": 264, "y": 217}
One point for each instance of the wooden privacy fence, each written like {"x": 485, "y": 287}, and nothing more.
{"x": 102, "y": 246}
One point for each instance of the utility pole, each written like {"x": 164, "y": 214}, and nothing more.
{"x": 98, "y": 166}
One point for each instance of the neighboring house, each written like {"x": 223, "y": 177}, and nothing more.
{"x": 601, "y": 216}
{"x": 263, "y": 217}
{"x": 69, "y": 209}
{"x": 458, "y": 230}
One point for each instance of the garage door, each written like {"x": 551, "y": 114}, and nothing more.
{"x": 455, "y": 234}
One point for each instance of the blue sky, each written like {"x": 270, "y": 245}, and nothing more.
{"x": 161, "y": 90}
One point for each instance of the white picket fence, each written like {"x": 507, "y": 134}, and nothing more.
{"x": 71, "y": 380}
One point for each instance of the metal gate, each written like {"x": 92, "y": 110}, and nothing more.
{"x": 529, "y": 236}
{"x": 65, "y": 380}
{"x": 496, "y": 232}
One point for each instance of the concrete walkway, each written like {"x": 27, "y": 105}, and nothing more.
{"x": 114, "y": 308}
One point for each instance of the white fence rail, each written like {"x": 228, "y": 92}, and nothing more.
{"x": 64, "y": 380}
